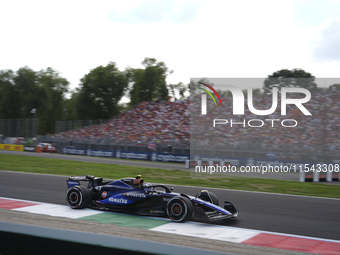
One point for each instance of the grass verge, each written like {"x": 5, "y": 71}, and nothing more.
{"x": 176, "y": 177}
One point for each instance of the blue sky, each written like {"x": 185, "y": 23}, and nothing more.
{"x": 195, "y": 38}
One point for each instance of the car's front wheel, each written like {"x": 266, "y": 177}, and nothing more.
{"x": 208, "y": 196}
{"x": 78, "y": 197}
{"x": 179, "y": 209}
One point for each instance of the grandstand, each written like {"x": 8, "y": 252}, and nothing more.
{"x": 153, "y": 126}
{"x": 158, "y": 126}
{"x": 315, "y": 138}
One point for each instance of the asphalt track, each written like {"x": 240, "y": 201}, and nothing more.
{"x": 307, "y": 216}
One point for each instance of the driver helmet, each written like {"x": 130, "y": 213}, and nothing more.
{"x": 138, "y": 180}
{"x": 148, "y": 188}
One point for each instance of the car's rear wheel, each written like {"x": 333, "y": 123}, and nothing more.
{"x": 179, "y": 209}
{"x": 78, "y": 197}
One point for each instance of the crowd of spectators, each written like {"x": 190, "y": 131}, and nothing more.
{"x": 168, "y": 123}
{"x": 155, "y": 123}
{"x": 316, "y": 134}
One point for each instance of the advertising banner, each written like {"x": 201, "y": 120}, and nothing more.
{"x": 73, "y": 151}
{"x": 11, "y": 147}
{"x": 29, "y": 148}
{"x": 132, "y": 155}
{"x": 100, "y": 153}
{"x": 150, "y": 156}
{"x": 173, "y": 158}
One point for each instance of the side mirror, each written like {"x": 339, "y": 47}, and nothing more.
{"x": 171, "y": 189}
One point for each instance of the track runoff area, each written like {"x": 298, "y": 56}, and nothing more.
{"x": 193, "y": 229}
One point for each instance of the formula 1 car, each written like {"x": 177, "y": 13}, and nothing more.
{"x": 131, "y": 195}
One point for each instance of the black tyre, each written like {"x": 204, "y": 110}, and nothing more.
{"x": 179, "y": 209}
{"x": 78, "y": 197}
{"x": 208, "y": 196}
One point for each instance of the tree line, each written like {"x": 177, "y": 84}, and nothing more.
{"x": 43, "y": 94}
{"x": 297, "y": 78}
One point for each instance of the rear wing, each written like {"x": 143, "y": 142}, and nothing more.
{"x": 92, "y": 181}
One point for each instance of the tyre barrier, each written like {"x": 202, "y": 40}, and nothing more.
{"x": 216, "y": 162}
{"x": 205, "y": 163}
{"x": 193, "y": 163}
{"x": 226, "y": 163}
{"x": 316, "y": 176}
{"x": 305, "y": 176}
{"x": 335, "y": 176}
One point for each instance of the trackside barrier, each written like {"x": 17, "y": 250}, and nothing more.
{"x": 38, "y": 149}
{"x": 319, "y": 176}
{"x": 192, "y": 164}
{"x": 329, "y": 176}
{"x": 306, "y": 176}
{"x": 217, "y": 162}
{"x": 11, "y": 147}
{"x": 316, "y": 177}
{"x": 322, "y": 176}
{"x": 302, "y": 177}
{"x": 335, "y": 176}
{"x": 220, "y": 163}
{"x": 205, "y": 163}
{"x": 226, "y": 163}
{"x": 148, "y": 156}
{"x": 29, "y": 148}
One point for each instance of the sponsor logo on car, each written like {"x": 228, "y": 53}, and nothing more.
{"x": 79, "y": 177}
{"x": 134, "y": 195}
{"x": 166, "y": 199}
{"x": 118, "y": 200}
{"x": 156, "y": 211}
{"x": 75, "y": 183}
{"x": 104, "y": 194}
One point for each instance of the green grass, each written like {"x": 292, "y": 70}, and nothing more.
{"x": 176, "y": 177}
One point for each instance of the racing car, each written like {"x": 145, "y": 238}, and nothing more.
{"x": 133, "y": 196}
